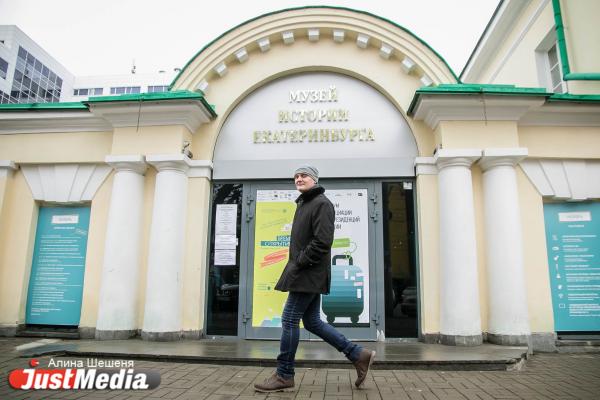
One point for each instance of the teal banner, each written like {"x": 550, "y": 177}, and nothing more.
{"x": 58, "y": 266}
{"x": 572, "y": 231}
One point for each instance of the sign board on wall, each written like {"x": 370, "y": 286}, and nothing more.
{"x": 225, "y": 234}
{"x": 572, "y": 239}
{"x": 343, "y": 126}
{"x": 58, "y": 266}
{"x": 348, "y": 302}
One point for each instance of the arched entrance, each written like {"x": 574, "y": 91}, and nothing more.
{"x": 365, "y": 152}
{"x": 351, "y": 45}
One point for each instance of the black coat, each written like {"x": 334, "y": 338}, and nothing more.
{"x": 309, "y": 266}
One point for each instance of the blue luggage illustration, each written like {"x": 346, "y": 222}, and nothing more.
{"x": 346, "y": 297}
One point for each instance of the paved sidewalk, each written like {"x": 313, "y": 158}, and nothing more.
{"x": 544, "y": 376}
{"x": 313, "y": 354}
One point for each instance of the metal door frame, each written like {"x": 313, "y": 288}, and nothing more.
{"x": 376, "y": 297}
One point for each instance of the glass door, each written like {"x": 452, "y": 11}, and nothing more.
{"x": 268, "y": 213}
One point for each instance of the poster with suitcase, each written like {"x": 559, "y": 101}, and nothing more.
{"x": 347, "y": 305}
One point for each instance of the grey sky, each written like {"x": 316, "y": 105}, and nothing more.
{"x": 91, "y": 37}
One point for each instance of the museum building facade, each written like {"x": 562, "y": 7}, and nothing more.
{"x": 466, "y": 207}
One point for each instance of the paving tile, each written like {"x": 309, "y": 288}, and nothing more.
{"x": 544, "y": 376}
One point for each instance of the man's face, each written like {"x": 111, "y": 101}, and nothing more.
{"x": 303, "y": 182}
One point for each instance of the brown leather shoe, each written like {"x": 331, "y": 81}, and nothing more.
{"x": 275, "y": 383}
{"x": 362, "y": 365}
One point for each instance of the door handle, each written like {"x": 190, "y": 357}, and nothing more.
{"x": 374, "y": 216}
{"x": 245, "y": 318}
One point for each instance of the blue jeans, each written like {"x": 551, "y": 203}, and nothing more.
{"x": 307, "y": 306}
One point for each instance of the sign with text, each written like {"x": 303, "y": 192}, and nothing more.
{"x": 58, "y": 266}
{"x": 348, "y": 302}
{"x": 572, "y": 231}
{"x": 274, "y": 216}
{"x": 340, "y": 124}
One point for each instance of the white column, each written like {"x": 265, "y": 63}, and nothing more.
{"x": 117, "y": 311}
{"x": 508, "y": 317}
{"x": 460, "y": 320}
{"x": 6, "y": 167}
{"x": 164, "y": 286}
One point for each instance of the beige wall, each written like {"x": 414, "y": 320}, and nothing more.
{"x": 17, "y": 237}
{"x": 67, "y": 147}
{"x": 429, "y": 253}
{"x": 150, "y": 140}
{"x": 5, "y": 179}
{"x": 195, "y": 271}
{"x": 539, "y": 299}
{"x": 513, "y": 62}
{"x": 580, "y": 20}
{"x": 95, "y": 254}
{"x": 477, "y": 134}
{"x": 583, "y": 87}
{"x": 560, "y": 142}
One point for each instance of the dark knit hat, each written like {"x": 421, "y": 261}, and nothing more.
{"x": 308, "y": 170}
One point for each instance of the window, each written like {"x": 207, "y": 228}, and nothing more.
{"x": 3, "y": 68}
{"x": 548, "y": 64}
{"x": 5, "y": 98}
{"x": 556, "y": 82}
{"x": 88, "y": 92}
{"x": 125, "y": 89}
{"x": 31, "y": 73}
{"x": 157, "y": 89}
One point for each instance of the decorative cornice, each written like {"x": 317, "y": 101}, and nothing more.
{"x": 285, "y": 27}
{"x": 128, "y": 163}
{"x": 554, "y": 113}
{"x": 190, "y": 113}
{"x": 170, "y": 162}
{"x": 526, "y": 105}
{"x": 15, "y": 122}
{"x": 496, "y": 157}
{"x": 573, "y": 180}
{"x": 425, "y": 166}
{"x": 65, "y": 183}
{"x": 456, "y": 157}
{"x": 140, "y": 109}
{"x": 435, "y": 108}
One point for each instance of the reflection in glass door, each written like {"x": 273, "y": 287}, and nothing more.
{"x": 224, "y": 261}
{"x": 400, "y": 277}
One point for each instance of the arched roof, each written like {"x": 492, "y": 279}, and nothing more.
{"x": 262, "y": 32}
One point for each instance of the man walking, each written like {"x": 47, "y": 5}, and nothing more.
{"x": 306, "y": 276}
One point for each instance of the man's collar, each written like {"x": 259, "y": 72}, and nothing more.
{"x": 311, "y": 193}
